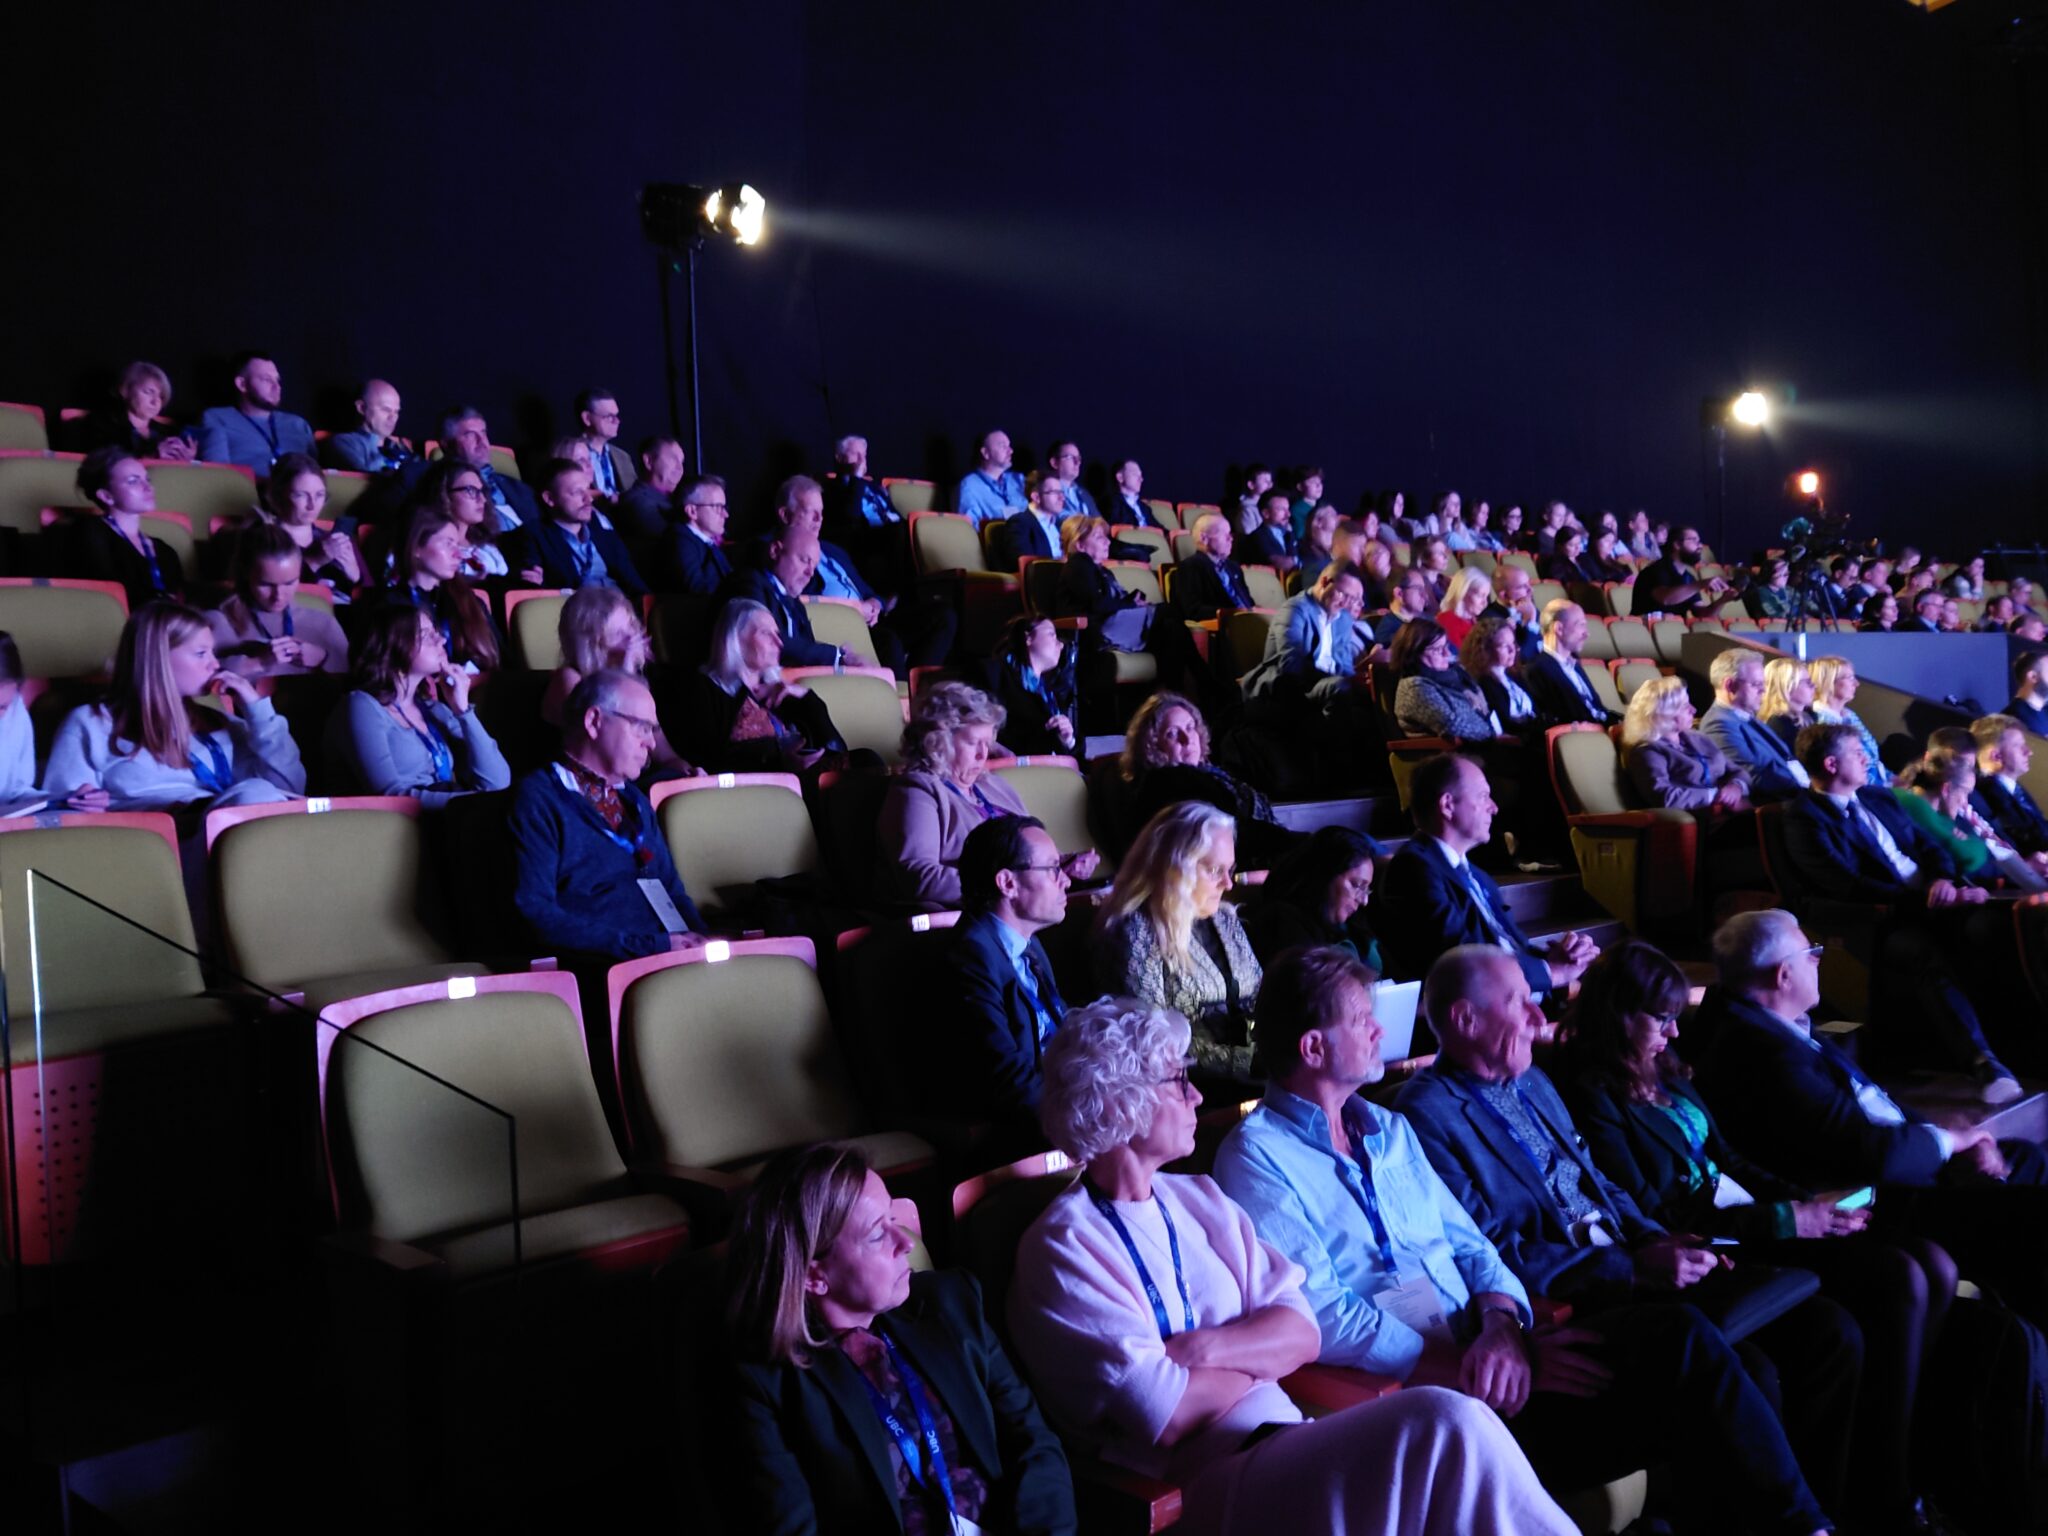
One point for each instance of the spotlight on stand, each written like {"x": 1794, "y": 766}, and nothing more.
{"x": 678, "y": 219}
{"x": 1807, "y": 483}
{"x": 1750, "y": 409}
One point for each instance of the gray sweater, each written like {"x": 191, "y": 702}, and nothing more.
{"x": 264, "y": 758}
{"x": 373, "y": 753}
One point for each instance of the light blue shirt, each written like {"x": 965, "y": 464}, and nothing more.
{"x": 986, "y": 500}
{"x": 835, "y": 580}
{"x": 1311, "y": 1205}
{"x": 1014, "y": 945}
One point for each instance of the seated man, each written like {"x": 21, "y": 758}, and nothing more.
{"x": 253, "y": 432}
{"x": 648, "y": 510}
{"x": 1556, "y": 679}
{"x": 1848, "y": 842}
{"x": 1128, "y": 509}
{"x": 1272, "y": 542}
{"x": 861, "y": 519}
{"x": 1313, "y": 645}
{"x": 373, "y": 448}
{"x": 1512, "y": 600}
{"x": 991, "y": 490}
{"x": 1432, "y": 899}
{"x": 1208, "y": 580}
{"x": 1793, "y": 1100}
{"x": 911, "y": 631}
{"x": 691, "y": 557}
{"x": 595, "y": 877}
{"x": 1673, "y": 585}
{"x": 1731, "y": 724}
{"x": 1404, "y": 1284}
{"x": 611, "y": 471}
{"x": 2004, "y": 754}
{"x": 1258, "y": 480}
{"x": 784, "y": 568}
{"x": 1409, "y": 600}
{"x": 993, "y": 1002}
{"x": 567, "y": 546}
{"x": 466, "y": 438}
{"x": 1036, "y": 529}
{"x": 1064, "y": 464}
{"x": 2029, "y": 703}
{"x": 1927, "y": 614}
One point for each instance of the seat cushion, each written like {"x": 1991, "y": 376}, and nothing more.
{"x": 83, "y": 1031}
{"x": 556, "y": 1234}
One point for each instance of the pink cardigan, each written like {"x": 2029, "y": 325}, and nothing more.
{"x": 924, "y": 825}
{"x": 1088, "y": 1337}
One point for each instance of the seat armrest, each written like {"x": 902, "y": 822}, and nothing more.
{"x": 1550, "y": 1313}
{"x": 1331, "y": 1388}
{"x": 399, "y": 1258}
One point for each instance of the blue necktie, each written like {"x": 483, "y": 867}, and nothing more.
{"x": 1038, "y": 988}
{"x": 1478, "y": 891}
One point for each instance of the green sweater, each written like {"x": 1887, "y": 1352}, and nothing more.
{"x": 1971, "y": 851}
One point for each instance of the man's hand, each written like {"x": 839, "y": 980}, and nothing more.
{"x": 531, "y": 575}
{"x": 1941, "y": 893}
{"x": 685, "y": 943}
{"x": 1978, "y": 1151}
{"x": 871, "y": 610}
{"x": 1672, "y": 1262}
{"x": 1494, "y": 1368}
{"x": 1820, "y": 1218}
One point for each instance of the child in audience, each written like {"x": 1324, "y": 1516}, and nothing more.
{"x": 153, "y": 744}
{"x": 260, "y": 630}
{"x": 408, "y": 728}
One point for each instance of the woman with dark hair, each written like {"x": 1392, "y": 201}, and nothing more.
{"x": 1032, "y": 676}
{"x": 407, "y": 729}
{"x": 261, "y": 629}
{"x": 456, "y": 489}
{"x": 1316, "y": 897}
{"x": 830, "y": 1330}
{"x": 1652, "y": 1133}
{"x": 426, "y": 568}
{"x": 1602, "y": 561}
{"x": 109, "y": 545}
{"x": 1880, "y": 614}
{"x": 1434, "y": 695}
{"x": 134, "y": 420}
{"x": 295, "y": 499}
{"x": 1489, "y": 654}
{"x": 1318, "y": 545}
{"x": 1774, "y": 596}
{"x": 738, "y": 714}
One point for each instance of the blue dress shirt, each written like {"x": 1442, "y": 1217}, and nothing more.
{"x": 985, "y": 500}
{"x": 1311, "y": 1205}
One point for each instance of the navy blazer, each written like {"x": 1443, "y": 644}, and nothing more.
{"x": 2012, "y": 813}
{"x": 1834, "y": 855}
{"x": 1793, "y": 1107}
{"x": 1557, "y": 701}
{"x": 1200, "y": 588}
{"x": 1754, "y": 748}
{"x": 1087, "y": 590}
{"x": 800, "y": 645}
{"x": 812, "y": 1455}
{"x": 1124, "y": 513}
{"x": 1023, "y": 535}
{"x": 1493, "y": 1178}
{"x": 983, "y": 1058}
{"x": 2035, "y": 720}
{"x": 685, "y": 563}
{"x": 543, "y": 543}
{"x": 1420, "y": 908}
{"x": 1267, "y": 545}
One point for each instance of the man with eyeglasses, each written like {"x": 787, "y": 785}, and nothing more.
{"x": 611, "y": 468}
{"x": 466, "y": 438}
{"x": 993, "y": 1002}
{"x": 1208, "y": 581}
{"x": 1512, "y": 600}
{"x": 595, "y": 880}
{"x": 1408, "y": 601}
{"x": 1796, "y": 1103}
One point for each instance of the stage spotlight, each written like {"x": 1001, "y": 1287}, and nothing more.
{"x": 1808, "y": 483}
{"x": 1750, "y": 409}
{"x": 736, "y": 210}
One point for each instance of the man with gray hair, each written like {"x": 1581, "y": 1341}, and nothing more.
{"x": 1556, "y": 679}
{"x": 1731, "y": 724}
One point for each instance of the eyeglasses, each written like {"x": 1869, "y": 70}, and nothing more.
{"x": 645, "y": 727}
{"x": 466, "y": 490}
{"x": 1179, "y": 1079}
{"x": 1664, "y": 1020}
{"x": 1037, "y": 869}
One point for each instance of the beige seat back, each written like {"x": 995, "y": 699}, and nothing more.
{"x": 941, "y": 541}
{"x": 1058, "y": 796}
{"x": 723, "y": 840}
{"x": 1589, "y": 774}
{"x": 63, "y": 631}
{"x": 866, "y": 709}
{"x": 203, "y": 491}
{"x": 840, "y": 624}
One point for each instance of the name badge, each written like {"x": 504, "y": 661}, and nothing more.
{"x": 664, "y": 906}
{"x": 1727, "y": 1193}
{"x": 1414, "y": 1300}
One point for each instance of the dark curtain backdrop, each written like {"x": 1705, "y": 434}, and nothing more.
{"x": 1500, "y": 246}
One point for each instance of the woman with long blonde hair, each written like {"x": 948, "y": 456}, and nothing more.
{"x": 1788, "y": 698}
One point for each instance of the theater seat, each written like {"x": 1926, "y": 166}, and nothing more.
{"x": 1150, "y": 538}
{"x": 1621, "y": 598}
{"x": 64, "y": 628}
{"x": 204, "y": 491}
{"x": 864, "y": 703}
{"x": 1631, "y": 675}
{"x": 1165, "y": 511}
{"x": 908, "y": 496}
{"x": 838, "y": 622}
{"x": 1639, "y": 862}
{"x": 31, "y": 481}
{"x": 1633, "y": 640}
{"x": 1265, "y": 586}
{"x": 1599, "y": 645}
{"x": 533, "y": 619}
{"x": 726, "y": 1056}
{"x": 22, "y": 427}
{"x": 1054, "y": 791}
{"x": 727, "y": 830}
{"x": 1667, "y": 639}
{"x": 945, "y": 547}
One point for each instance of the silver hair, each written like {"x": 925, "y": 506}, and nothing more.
{"x": 725, "y": 663}
{"x": 944, "y": 709}
{"x": 1101, "y": 1067}
{"x": 600, "y": 690}
{"x": 1750, "y": 944}
{"x": 1727, "y": 663}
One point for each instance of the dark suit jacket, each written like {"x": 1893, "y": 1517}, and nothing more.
{"x": 1089, "y": 591}
{"x": 1794, "y": 1108}
{"x": 1420, "y": 908}
{"x": 2013, "y": 816}
{"x": 812, "y": 1455}
{"x": 685, "y": 563}
{"x": 1266, "y": 545}
{"x": 643, "y": 515}
{"x": 1023, "y": 536}
{"x": 800, "y": 646}
{"x": 1122, "y": 513}
{"x": 1199, "y": 590}
{"x": 86, "y": 547}
{"x": 1834, "y": 856}
{"x": 1493, "y": 1178}
{"x": 544, "y": 544}
{"x": 1557, "y": 701}
{"x": 698, "y": 717}
{"x": 1754, "y": 748}
{"x": 2035, "y": 720}
{"x": 982, "y": 1056}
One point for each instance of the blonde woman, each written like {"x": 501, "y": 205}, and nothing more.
{"x": 1788, "y": 698}
{"x": 600, "y": 630}
{"x": 1166, "y": 936}
{"x": 151, "y": 744}
{"x": 1465, "y": 599}
{"x": 1834, "y": 686}
{"x": 1669, "y": 762}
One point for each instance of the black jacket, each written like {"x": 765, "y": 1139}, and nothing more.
{"x": 546, "y": 545}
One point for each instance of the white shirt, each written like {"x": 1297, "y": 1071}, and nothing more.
{"x": 1878, "y": 1107}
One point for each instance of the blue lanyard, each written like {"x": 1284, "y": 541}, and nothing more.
{"x": 216, "y": 772}
{"x": 931, "y": 1467}
{"x": 1363, "y": 1192}
{"x": 257, "y": 619}
{"x": 1144, "y": 1274}
{"x": 156, "y": 570}
{"x": 988, "y": 806}
{"x": 438, "y": 749}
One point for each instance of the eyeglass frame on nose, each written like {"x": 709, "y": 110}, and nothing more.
{"x": 647, "y": 728}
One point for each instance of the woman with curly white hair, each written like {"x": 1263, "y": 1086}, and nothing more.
{"x": 1156, "y": 1328}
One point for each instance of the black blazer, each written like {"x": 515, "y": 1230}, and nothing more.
{"x": 1497, "y": 700}
{"x": 2035, "y": 720}
{"x": 1267, "y": 545}
{"x": 1200, "y": 589}
{"x": 2013, "y": 815}
{"x": 1123, "y": 513}
{"x": 544, "y": 544}
{"x": 1087, "y": 590}
{"x": 88, "y": 549}
{"x": 685, "y": 563}
{"x": 982, "y": 1058}
{"x": 811, "y": 1455}
{"x": 1834, "y": 856}
{"x": 1420, "y": 908}
{"x": 800, "y": 646}
{"x": 1023, "y": 536}
{"x": 1025, "y": 731}
{"x": 1557, "y": 701}
{"x": 847, "y": 564}
{"x": 1794, "y": 1107}
{"x": 698, "y": 716}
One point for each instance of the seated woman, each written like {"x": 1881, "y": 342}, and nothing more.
{"x": 1676, "y": 767}
{"x": 1156, "y": 1326}
{"x": 1165, "y": 935}
{"x": 407, "y": 729}
{"x": 17, "y": 735}
{"x": 737, "y": 714}
{"x": 1938, "y": 798}
{"x": 827, "y": 1324}
{"x": 1603, "y": 561}
{"x": 1168, "y": 732}
{"x": 456, "y": 490}
{"x": 295, "y": 499}
{"x": 600, "y": 631}
{"x": 1787, "y": 707}
{"x": 133, "y": 420}
{"x": 1375, "y": 573}
{"x": 1466, "y": 598}
{"x": 1968, "y": 583}
{"x": 1318, "y": 546}
{"x": 260, "y": 630}
{"x": 426, "y": 566}
{"x": 1652, "y": 1133}
{"x": 1880, "y": 614}
{"x": 1316, "y": 897}
{"x": 1773, "y": 597}
{"x": 1489, "y": 654}
{"x": 1834, "y": 689}
{"x": 943, "y": 794}
{"x": 1032, "y": 676}
{"x": 1118, "y": 619}
{"x": 1435, "y": 696}
{"x": 109, "y": 544}
{"x": 1566, "y": 564}
{"x": 151, "y": 745}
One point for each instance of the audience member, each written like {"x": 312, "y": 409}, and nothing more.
{"x": 1032, "y": 675}
{"x": 1034, "y": 532}
{"x": 134, "y": 420}
{"x": 1466, "y": 598}
{"x": 1091, "y": 1295}
{"x": 1834, "y": 689}
{"x": 1434, "y": 696}
{"x": 600, "y": 630}
{"x": 611, "y": 467}
{"x": 1512, "y": 587}
{"x": 1641, "y": 543}
{"x": 466, "y": 438}
{"x": 1789, "y": 693}
{"x": 1433, "y": 899}
{"x": 1064, "y": 463}
{"x": 692, "y": 559}
{"x": 426, "y": 572}
{"x": 913, "y": 628}
{"x": 647, "y": 509}
{"x": 1488, "y": 656}
{"x": 1317, "y": 545}
{"x": 855, "y": 506}
{"x": 1166, "y": 758}
{"x": 1164, "y": 935}
{"x": 2029, "y": 702}
{"x": 1313, "y": 651}
{"x": 739, "y": 714}
{"x": 789, "y": 560}
{"x": 992, "y": 490}
{"x": 1433, "y": 562}
{"x": 1316, "y": 897}
{"x": 2004, "y": 754}
{"x": 1251, "y": 497}
{"x": 1927, "y": 615}
{"x": 1308, "y": 496}
{"x": 1272, "y": 542}
{"x": 408, "y": 728}
{"x": 1672, "y": 583}
{"x": 253, "y": 432}
{"x": 1556, "y": 678}
{"x": 295, "y": 499}
{"x": 1128, "y": 508}
{"x": 1774, "y": 597}
{"x": 943, "y": 793}
{"x": 18, "y": 794}
{"x": 595, "y": 877}
{"x": 1570, "y": 563}
{"x": 566, "y": 544}
{"x": 1880, "y": 614}
{"x": 261, "y": 629}
{"x": 150, "y": 745}
{"x": 1408, "y": 602}
{"x": 1674, "y": 766}
{"x": 1731, "y": 723}
{"x": 374, "y": 448}
{"x": 2029, "y": 629}
{"x": 108, "y": 543}
{"x": 1938, "y": 800}
{"x": 457, "y": 490}
{"x": 1208, "y": 581}
{"x": 830, "y": 1328}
